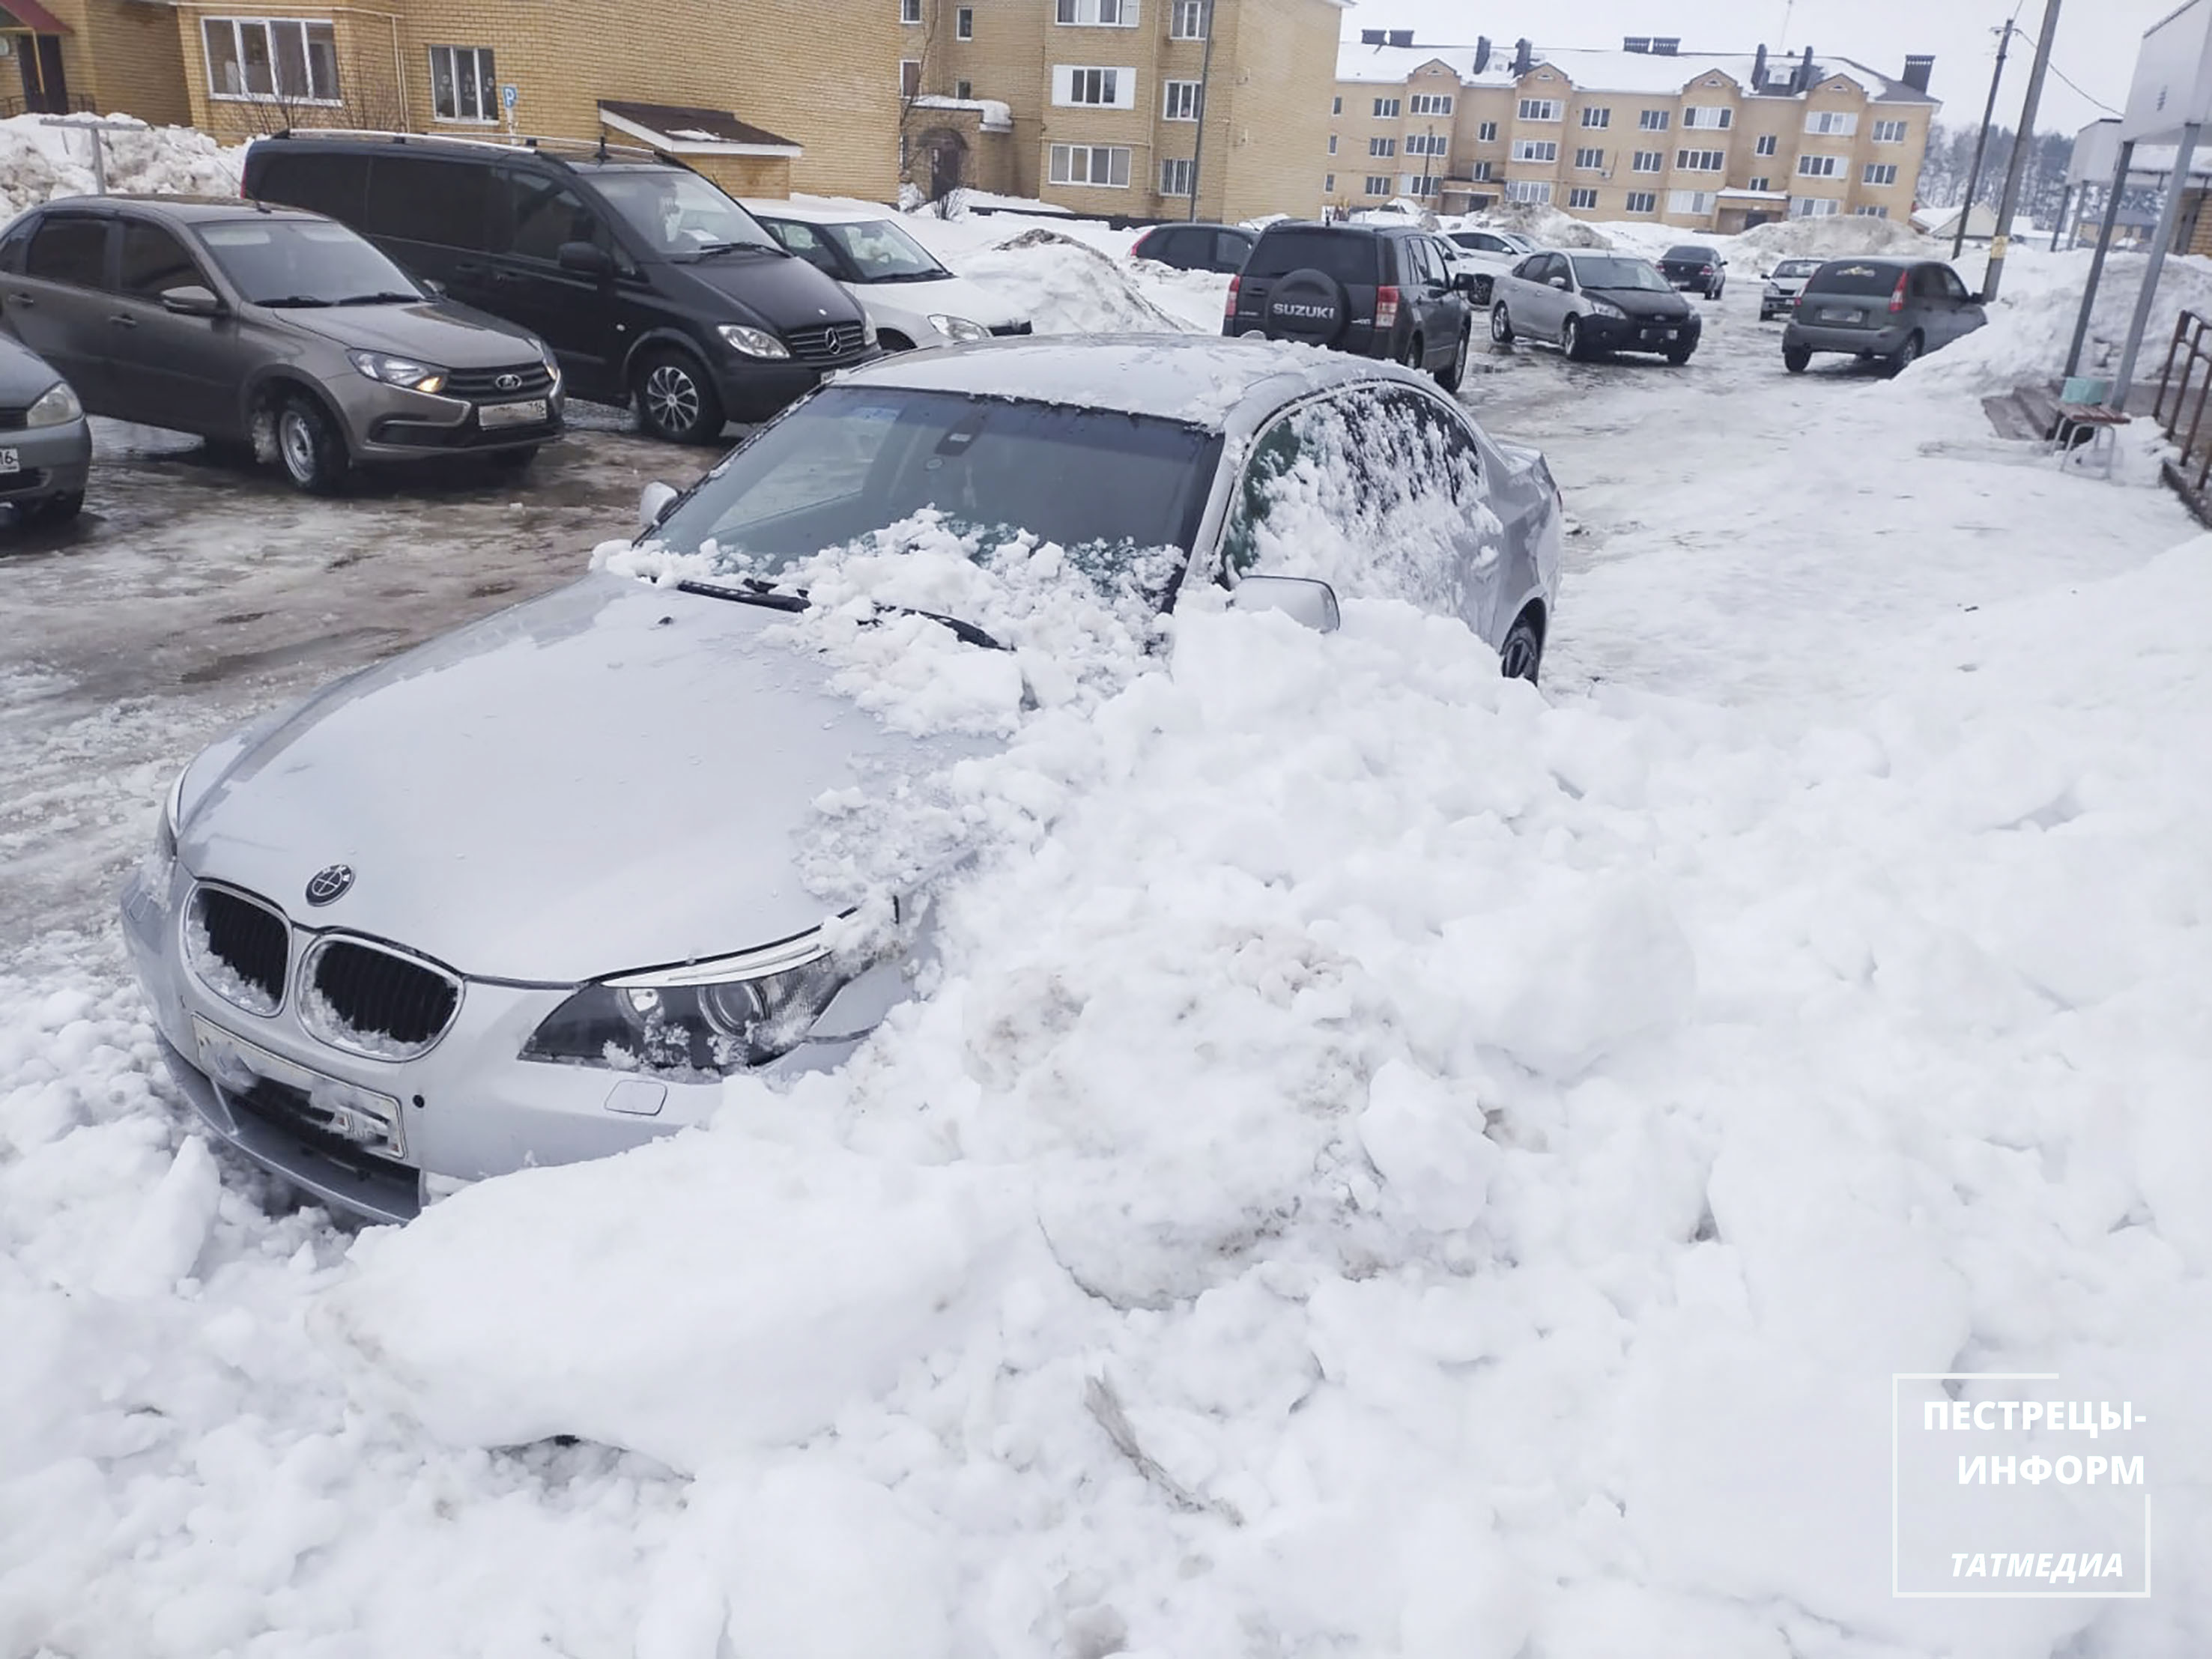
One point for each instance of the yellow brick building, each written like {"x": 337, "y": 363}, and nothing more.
{"x": 60, "y": 56}
{"x": 1703, "y": 141}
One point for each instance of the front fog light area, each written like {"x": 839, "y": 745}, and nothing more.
{"x": 694, "y": 1030}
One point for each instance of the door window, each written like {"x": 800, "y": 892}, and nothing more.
{"x": 547, "y": 214}
{"x": 70, "y": 249}
{"x": 1952, "y": 287}
{"x": 1230, "y": 249}
{"x": 154, "y": 262}
{"x": 444, "y": 203}
{"x": 336, "y": 184}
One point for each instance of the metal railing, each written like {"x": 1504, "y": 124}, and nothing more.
{"x": 2180, "y": 407}
{"x": 47, "y": 106}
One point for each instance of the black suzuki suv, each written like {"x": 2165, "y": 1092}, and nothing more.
{"x": 1372, "y": 290}
{"x": 650, "y": 284}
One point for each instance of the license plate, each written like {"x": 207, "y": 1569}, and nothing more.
{"x": 369, "y": 1120}
{"x": 1830, "y": 314}
{"x": 11, "y": 460}
{"x": 532, "y": 413}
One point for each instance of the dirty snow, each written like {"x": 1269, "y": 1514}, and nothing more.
{"x": 1393, "y": 1161}
{"x": 40, "y": 162}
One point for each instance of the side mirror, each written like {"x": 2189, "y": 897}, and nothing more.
{"x": 653, "y": 502}
{"x": 1310, "y": 603}
{"x": 435, "y": 290}
{"x": 1559, "y": 283}
{"x": 192, "y": 301}
{"x": 586, "y": 260}
{"x": 1465, "y": 281}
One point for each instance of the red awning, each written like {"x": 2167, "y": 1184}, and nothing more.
{"x": 30, "y": 15}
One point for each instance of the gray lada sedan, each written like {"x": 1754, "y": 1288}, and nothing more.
{"x": 45, "y": 449}
{"x": 528, "y": 893}
{"x": 284, "y": 329}
{"x": 1890, "y": 311}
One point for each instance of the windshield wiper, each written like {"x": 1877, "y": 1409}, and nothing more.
{"x": 379, "y": 299}
{"x": 939, "y": 275}
{"x": 754, "y": 592}
{"x": 966, "y": 632}
{"x": 294, "y": 300}
{"x": 706, "y": 249}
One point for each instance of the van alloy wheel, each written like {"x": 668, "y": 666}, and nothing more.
{"x": 675, "y": 399}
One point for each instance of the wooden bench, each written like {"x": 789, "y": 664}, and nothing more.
{"x": 2092, "y": 424}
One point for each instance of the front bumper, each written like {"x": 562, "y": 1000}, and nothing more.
{"x": 50, "y": 461}
{"x": 1641, "y": 334}
{"x": 754, "y": 389}
{"x": 1857, "y": 341}
{"x": 468, "y": 1110}
{"x": 389, "y": 423}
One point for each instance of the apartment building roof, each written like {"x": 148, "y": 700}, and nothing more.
{"x": 1648, "y": 74}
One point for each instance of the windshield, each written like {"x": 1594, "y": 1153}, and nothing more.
{"x": 1796, "y": 267}
{"x": 272, "y": 261}
{"x": 1844, "y": 277}
{"x": 853, "y": 460}
{"x": 882, "y": 252}
{"x": 1618, "y": 274}
{"x": 679, "y": 213}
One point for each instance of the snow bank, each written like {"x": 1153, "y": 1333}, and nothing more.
{"x": 2032, "y": 324}
{"x": 40, "y": 162}
{"x": 1065, "y": 286}
{"x": 1836, "y": 237}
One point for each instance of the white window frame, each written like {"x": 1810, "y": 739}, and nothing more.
{"x": 1540, "y": 109}
{"x": 1590, "y": 159}
{"x": 1881, "y": 174}
{"x": 1529, "y": 189}
{"x": 1597, "y": 115}
{"x": 1428, "y": 143}
{"x": 1701, "y": 161}
{"x": 276, "y": 94}
{"x": 1386, "y": 109}
{"x": 963, "y": 23}
{"x": 1891, "y": 132}
{"x": 1582, "y": 198}
{"x": 1647, "y": 160}
{"x": 1486, "y": 132}
{"x": 910, "y": 11}
{"x": 1542, "y": 151}
{"x": 1095, "y": 14}
{"x": 1115, "y": 84}
{"x": 1480, "y": 173}
{"x": 1060, "y": 166}
{"x": 1820, "y": 167}
{"x": 1178, "y": 175}
{"x": 1831, "y": 123}
{"x": 1378, "y": 184}
{"x": 1641, "y": 201}
{"x": 1418, "y": 183}
{"x": 1695, "y": 202}
{"x": 1871, "y": 211}
{"x": 1814, "y": 207}
{"x": 1179, "y": 101}
{"x": 1708, "y": 117}
{"x": 1761, "y": 181}
{"x": 1328, "y": 184}
{"x": 1765, "y": 144}
{"x": 1430, "y": 103}
{"x": 1382, "y": 150}
{"x": 472, "y": 81}
{"x": 1187, "y": 20}
{"x": 1653, "y": 120}
{"x": 1332, "y": 143}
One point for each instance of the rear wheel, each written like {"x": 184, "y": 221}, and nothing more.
{"x": 1416, "y": 353}
{"x": 1501, "y": 324}
{"x": 308, "y": 447}
{"x": 1521, "y": 657}
{"x": 1571, "y": 337}
{"x": 1679, "y": 355}
{"x": 675, "y": 399}
{"x": 1906, "y": 355}
{"x": 1795, "y": 358}
{"x": 1452, "y": 374}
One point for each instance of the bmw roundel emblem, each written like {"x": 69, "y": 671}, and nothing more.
{"x": 329, "y": 885}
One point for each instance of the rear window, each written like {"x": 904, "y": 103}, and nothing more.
{"x": 1853, "y": 277}
{"x": 1347, "y": 259}
{"x": 1690, "y": 253}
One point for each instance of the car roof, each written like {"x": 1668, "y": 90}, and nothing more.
{"x": 188, "y": 209}
{"x": 1365, "y": 227}
{"x": 1900, "y": 261}
{"x": 1214, "y": 382}
{"x": 809, "y": 214}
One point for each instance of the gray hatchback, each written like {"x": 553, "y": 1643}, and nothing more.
{"x": 276, "y": 327}
{"x": 45, "y": 447}
{"x": 1891, "y": 310}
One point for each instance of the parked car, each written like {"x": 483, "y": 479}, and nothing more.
{"x": 376, "y": 1001}
{"x": 1197, "y": 247}
{"x": 1695, "y": 266}
{"x": 1374, "y": 291}
{"x": 1783, "y": 284}
{"x": 1887, "y": 309}
{"x": 653, "y": 287}
{"x": 1587, "y": 303}
{"x": 46, "y": 447}
{"x": 236, "y": 322}
{"x": 1500, "y": 250}
{"x": 909, "y": 298}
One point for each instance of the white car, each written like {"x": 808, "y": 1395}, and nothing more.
{"x": 911, "y": 298}
{"x": 1783, "y": 284}
{"x": 1488, "y": 254}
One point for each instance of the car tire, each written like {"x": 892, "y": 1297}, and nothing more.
{"x": 1417, "y": 353}
{"x": 1501, "y": 324}
{"x": 1521, "y": 654}
{"x": 1795, "y": 358}
{"x": 1905, "y": 356}
{"x": 308, "y": 447}
{"x": 1680, "y": 355}
{"x": 675, "y": 400}
{"x": 1571, "y": 339}
{"x": 1453, "y": 373}
{"x": 48, "y": 510}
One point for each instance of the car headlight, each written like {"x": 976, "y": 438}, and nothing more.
{"x": 959, "y": 329}
{"x": 1606, "y": 308}
{"x": 709, "y": 1018}
{"x": 867, "y": 330}
{"x": 56, "y": 406}
{"x": 398, "y": 371}
{"x": 172, "y": 820}
{"x": 753, "y": 341}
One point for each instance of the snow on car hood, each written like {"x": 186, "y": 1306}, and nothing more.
{"x": 611, "y": 776}
{"x": 432, "y": 331}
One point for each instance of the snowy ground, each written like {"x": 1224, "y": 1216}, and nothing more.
{"x": 1396, "y": 1163}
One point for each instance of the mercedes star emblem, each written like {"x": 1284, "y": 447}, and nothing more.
{"x": 329, "y": 885}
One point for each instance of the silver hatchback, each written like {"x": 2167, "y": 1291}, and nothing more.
{"x": 270, "y": 326}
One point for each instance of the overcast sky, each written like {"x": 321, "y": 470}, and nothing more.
{"x": 2096, "y": 45}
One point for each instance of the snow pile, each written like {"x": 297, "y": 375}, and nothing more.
{"x": 2032, "y": 324}
{"x": 1065, "y": 286}
{"x": 1836, "y": 237}
{"x": 1546, "y": 225}
{"x": 38, "y": 163}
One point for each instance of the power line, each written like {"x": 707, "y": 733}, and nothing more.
{"x": 2069, "y": 80}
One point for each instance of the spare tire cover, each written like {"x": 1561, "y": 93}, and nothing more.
{"x": 1308, "y": 305}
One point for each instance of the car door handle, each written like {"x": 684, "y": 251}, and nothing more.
{"x": 124, "y": 320}
{"x": 471, "y": 270}
{"x": 24, "y": 299}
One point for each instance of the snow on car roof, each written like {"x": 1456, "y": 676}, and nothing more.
{"x": 815, "y": 212}
{"x": 1199, "y": 379}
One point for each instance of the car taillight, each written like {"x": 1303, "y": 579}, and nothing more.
{"x": 1229, "y": 306}
{"x": 1896, "y": 299}
{"x": 1708, "y": 270}
{"x": 1386, "y": 307}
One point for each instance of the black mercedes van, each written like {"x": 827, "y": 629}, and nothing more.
{"x": 652, "y": 286}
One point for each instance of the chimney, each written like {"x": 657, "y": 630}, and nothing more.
{"x": 1917, "y": 71}
{"x": 1524, "y": 57}
{"x": 1636, "y": 43}
{"x": 1759, "y": 69}
{"x": 1402, "y": 36}
{"x": 1481, "y": 54}
{"x": 1371, "y": 37}
{"x": 1801, "y": 80}
{"x": 1665, "y": 45}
